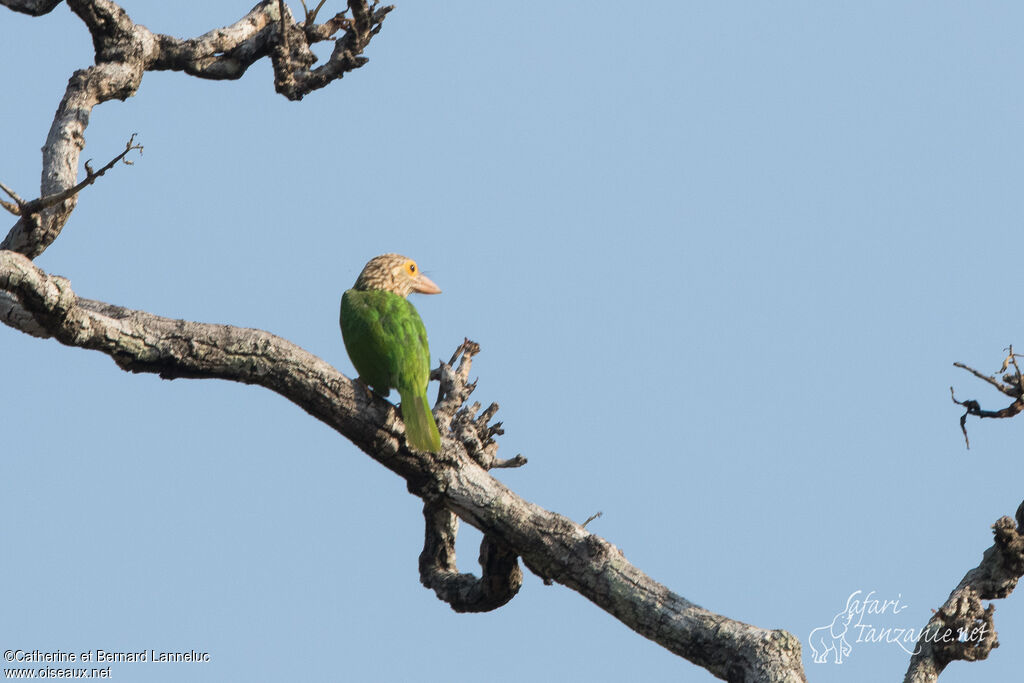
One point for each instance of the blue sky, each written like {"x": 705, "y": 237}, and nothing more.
{"x": 720, "y": 258}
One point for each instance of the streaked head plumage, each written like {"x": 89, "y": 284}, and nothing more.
{"x": 396, "y": 274}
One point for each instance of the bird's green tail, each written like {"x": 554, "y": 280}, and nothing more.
{"x": 420, "y": 427}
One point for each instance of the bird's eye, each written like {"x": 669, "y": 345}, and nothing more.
{"x": 411, "y": 267}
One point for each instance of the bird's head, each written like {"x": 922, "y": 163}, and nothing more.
{"x": 397, "y": 274}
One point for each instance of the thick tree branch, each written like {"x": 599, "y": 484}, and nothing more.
{"x": 35, "y": 231}
{"x": 115, "y": 37}
{"x": 13, "y": 314}
{"x": 962, "y": 629}
{"x": 552, "y": 545}
{"x": 224, "y": 53}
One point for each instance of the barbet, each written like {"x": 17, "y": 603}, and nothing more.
{"x": 387, "y": 342}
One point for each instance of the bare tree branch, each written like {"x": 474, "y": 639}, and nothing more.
{"x": 499, "y": 582}
{"x": 553, "y": 546}
{"x": 474, "y": 432}
{"x": 34, "y": 232}
{"x": 16, "y": 207}
{"x": 13, "y": 314}
{"x": 311, "y": 16}
{"x": 962, "y": 629}
{"x": 1004, "y": 388}
{"x": 126, "y": 50}
{"x": 292, "y": 76}
{"x": 501, "y": 577}
{"x": 1011, "y": 385}
{"x": 23, "y": 208}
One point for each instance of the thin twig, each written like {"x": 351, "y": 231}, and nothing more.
{"x": 969, "y": 404}
{"x": 591, "y": 518}
{"x": 972, "y": 407}
{"x": 37, "y": 205}
{"x": 19, "y": 202}
{"x": 990, "y": 379}
{"x": 1016, "y": 369}
{"x": 518, "y": 461}
{"x": 311, "y": 16}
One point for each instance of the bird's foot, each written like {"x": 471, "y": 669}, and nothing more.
{"x": 366, "y": 388}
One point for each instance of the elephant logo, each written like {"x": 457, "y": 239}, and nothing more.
{"x": 832, "y": 638}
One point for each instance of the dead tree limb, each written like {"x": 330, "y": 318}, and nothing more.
{"x": 1011, "y": 384}
{"x": 126, "y": 50}
{"x": 963, "y": 629}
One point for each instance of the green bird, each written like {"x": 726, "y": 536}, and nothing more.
{"x": 387, "y": 342}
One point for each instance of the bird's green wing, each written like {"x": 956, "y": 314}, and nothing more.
{"x": 386, "y": 340}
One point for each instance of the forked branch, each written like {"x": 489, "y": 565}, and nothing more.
{"x": 1011, "y": 384}
{"x": 24, "y": 208}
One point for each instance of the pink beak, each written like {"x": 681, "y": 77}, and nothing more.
{"x": 424, "y": 285}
